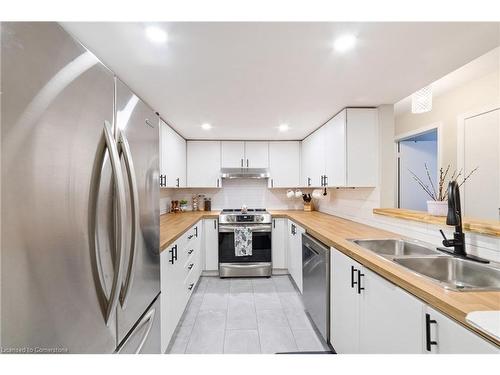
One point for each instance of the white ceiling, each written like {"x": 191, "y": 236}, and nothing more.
{"x": 247, "y": 78}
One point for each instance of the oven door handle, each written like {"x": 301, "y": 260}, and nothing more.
{"x": 254, "y": 228}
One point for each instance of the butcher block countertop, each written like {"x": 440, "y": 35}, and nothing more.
{"x": 172, "y": 226}
{"x": 336, "y": 232}
{"x": 489, "y": 227}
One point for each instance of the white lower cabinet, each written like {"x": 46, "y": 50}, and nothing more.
{"x": 211, "y": 244}
{"x": 295, "y": 252}
{"x": 390, "y": 318}
{"x": 369, "y": 314}
{"x": 180, "y": 271}
{"x": 444, "y": 336}
{"x": 279, "y": 238}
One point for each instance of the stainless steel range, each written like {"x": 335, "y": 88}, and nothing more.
{"x": 254, "y": 221}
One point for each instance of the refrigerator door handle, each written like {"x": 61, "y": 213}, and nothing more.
{"x": 107, "y": 304}
{"x": 124, "y": 149}
{"x": 148, "y": 319}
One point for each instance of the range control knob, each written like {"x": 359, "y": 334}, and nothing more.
{"x": 259, "y": 218}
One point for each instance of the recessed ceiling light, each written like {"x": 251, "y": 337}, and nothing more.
{"x": 156, "y": 35}
{"x": 344, "y": 43}
{"x": 206, "y": 126}
{"x": 283, "y": 127}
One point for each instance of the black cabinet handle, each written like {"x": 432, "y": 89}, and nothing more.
{"x": 360, "y": 288}
{"x": 353, "y": 270}
{"x": 247, "y": 163}
{"x": 428, "y": 341}
{"x": 322, "y": 180}
{"x": 173, "y": 252}
{"x": 177, "y": 179}
{"x": 191, "y": 265}
{"x": 241, "y": 163}
{"x": 217, "y": 182}
{"x": 274, "y": 223}
{"x": 196, "y": 231}
{"x": 308, "y": 181}
{"x": 190, "y": 286}
{"x": 190, "y": 251}
{"x": 326, "y": 180}
{"x": 190, "y": 236}
{"x": 215, "y": 224}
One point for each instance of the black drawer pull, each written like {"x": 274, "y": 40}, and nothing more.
{"x": 353, "y": 270}
{"x": 190, "y": 236}
{"x": 191, "y": 266}
{"x": 360, "y": 288}
{"x": 173, "y": 252}
{"x": 190, "y": 286}
{"x": 190, "y": 251}
{"x": 428, "y": 341}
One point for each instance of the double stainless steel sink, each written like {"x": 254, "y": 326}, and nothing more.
{"x": 424, "y": 260}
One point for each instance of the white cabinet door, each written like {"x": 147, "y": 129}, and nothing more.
{"x": 295, "y": 253}
{"x": 344, "y": 303}
{"x": 362, "y": 147}
{"x": 211, "y": 242}
{"x": 173, "y": 154}
{"x": 335, "y": 150}
{"x": 172, "y": 291}
{"x": 233, "y": 154}
{"x": 257, "y": 154}
{"x": 279, "y": 244}
{"x": 284, "y": 164}
{"x": 391, "y": 319}
{"x": 313, "y": 164}
{"x": 203, "y": 164}
{"x": 449, "y": 337}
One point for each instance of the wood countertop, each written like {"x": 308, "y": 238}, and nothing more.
{"x": 336, "y": 232}
{"x": 172, "y": 226}
{"x": 489, "y": 227}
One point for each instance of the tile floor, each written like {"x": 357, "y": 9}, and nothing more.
{"x": 245, "y": 316}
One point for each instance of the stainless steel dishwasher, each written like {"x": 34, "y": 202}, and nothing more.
{"x": 316, "y": 283}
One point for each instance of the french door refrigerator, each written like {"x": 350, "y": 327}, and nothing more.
{"x": 80, "y": 201}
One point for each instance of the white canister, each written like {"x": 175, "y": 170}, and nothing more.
{"x": 437, "y": 208}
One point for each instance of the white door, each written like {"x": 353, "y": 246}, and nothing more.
{"x": 344, "y": 304}
{"x": 335, "y": 150}
{"x": 449, "y": 337}
{"x": 203, "y": 164}
{"x": 391, "y": 319}
{"x": 257, "y": 154}
{"x": 279, "y": 241}
{"x": 211, "y": 244}
{"x": 362, "y": 147}
{"x": 233, "y": 154}
{"x": 482, "y": 150}
{"x": 284, "y": 164}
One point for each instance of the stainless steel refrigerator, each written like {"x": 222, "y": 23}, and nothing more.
{"x": 80, "y": 201}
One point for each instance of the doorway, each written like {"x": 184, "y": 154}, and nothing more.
{"x": 417, "y": 158}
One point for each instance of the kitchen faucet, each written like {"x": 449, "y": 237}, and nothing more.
{"x": 455, "y": 218}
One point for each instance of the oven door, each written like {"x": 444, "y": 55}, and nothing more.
{"x": 261, "y": 244}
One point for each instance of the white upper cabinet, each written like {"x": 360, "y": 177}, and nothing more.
{"x": 335, "y": 152}
{"x": 203, "y": 164}
{"x": 233, "y": 154}
{"x": 284, "y": 164}
{"x": 362, "y": 147}
{"x": 248, "y": 154}
{"x": 257, "y": 154}
{"x": 173, "y": 157}
{"x": 343, "y": 152}
{"x": 313, "y": 159}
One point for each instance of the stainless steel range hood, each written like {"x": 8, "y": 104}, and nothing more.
{"x": 244, "y": 173}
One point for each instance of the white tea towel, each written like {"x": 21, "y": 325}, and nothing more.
{"x": 242, "y": 241}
